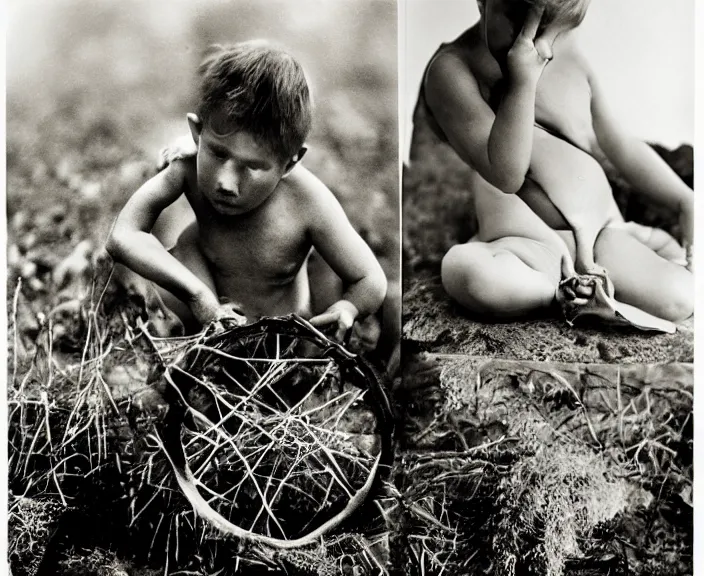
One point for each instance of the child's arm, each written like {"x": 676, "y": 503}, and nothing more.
{"x": 640, "y": 165}
{"x": 347, "y": 254}
{"x": 497, "y": 145}
{"x": 131, "y": 243}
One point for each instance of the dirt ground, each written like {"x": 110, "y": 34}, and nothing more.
{"x": 437, "y": 215}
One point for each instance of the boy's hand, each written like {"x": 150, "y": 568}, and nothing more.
{"x": 529, "y": 55}
{"x": 342, "y": 313}
{"x": 206, "y": 309}
{"x": 179, "y": 149}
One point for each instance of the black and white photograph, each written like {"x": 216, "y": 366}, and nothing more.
{"x": 557, "y": 469}
{"x": 548, "y": 291}
{"x": 547, "y": 193}
{"x": 350, "y": 287}
{"x": 203, "y": 286}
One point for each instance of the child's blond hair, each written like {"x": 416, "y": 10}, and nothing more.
{"x": 569, "y": 13}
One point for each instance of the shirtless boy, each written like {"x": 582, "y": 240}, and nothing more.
{"x": 257, "y": 212}
{"x": 520, "y": 105}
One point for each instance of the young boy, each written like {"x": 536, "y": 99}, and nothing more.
{"x": 518, "y": 103}
{"x": 257, "y": 213}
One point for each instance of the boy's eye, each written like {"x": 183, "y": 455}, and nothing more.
{"x": 219, "y": 154}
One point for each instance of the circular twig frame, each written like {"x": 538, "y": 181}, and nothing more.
{"x": 275, "y": 434}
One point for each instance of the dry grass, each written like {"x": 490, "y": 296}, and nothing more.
{"x": 545, "y": 468}
{"x": 277, "y": 440}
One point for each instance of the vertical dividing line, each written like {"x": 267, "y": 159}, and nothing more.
{"x": 401, "y": 38}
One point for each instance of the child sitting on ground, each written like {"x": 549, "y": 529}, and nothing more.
{"x": 257, "y": 213}
{"x": 520, "y": 105}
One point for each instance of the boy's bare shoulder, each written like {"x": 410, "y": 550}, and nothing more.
{"x": 183, "y": 148}
{"x": 311, "y": 197}
{"x": 450, "y": 58}
{"x": 452, "y": 70}
{"x": 181, "y": 172}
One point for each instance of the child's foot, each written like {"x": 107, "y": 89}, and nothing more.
{"x": 163, "y": 322}
{"x": 602, "y": 273}
{"x": 575, "y": 291}
{"x": 601, "y": 305}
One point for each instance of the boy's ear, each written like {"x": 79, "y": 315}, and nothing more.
{"x": 196, "y": 126}
{"x": 295, "y": 160}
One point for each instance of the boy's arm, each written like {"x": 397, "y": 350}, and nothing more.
{"x": 347, "y": 254}
{"x": 639, "y": 164}
{"x": 131, "y": 243}
{"x": 497, "y": 145}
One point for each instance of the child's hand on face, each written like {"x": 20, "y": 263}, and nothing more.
{"x": 342, "y": 314}
{"x": 529, "y": 55}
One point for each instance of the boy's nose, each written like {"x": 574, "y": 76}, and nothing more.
{"x": 228, "y": 182}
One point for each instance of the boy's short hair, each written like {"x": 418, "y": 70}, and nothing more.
{"x": 259, "y": 88}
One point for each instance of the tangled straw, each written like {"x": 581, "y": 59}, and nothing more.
{"x": 275, "y": 433}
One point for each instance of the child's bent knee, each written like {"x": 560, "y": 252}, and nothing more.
{"x": 495, "y": 282}
{"x": 462, "y": 273}
{"x": 472, "y": 277}
{"x": 679, "y": 303}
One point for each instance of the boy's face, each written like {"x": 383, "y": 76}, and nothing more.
{"x": 503, "y": 21}
{"x": 235, "y": 173}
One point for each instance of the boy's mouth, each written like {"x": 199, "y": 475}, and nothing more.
{"x": 226, "y": 204}
{"x": 228, "y": 209}
{"x": 228, "y": 198}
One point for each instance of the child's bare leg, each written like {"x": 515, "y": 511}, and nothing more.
{"x": 189, "y": 254}
{"x": 505, "y": 278}
{"x": 515, "y": 268}
{"x": 659, "y": 241}
{"x": 644, "y": 279}
{"x": 162, "y": 319}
